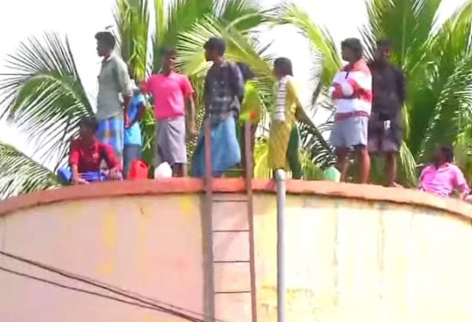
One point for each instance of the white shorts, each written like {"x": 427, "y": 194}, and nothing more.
{"x": 351, "y": 132}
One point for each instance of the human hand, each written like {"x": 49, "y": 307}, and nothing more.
{"x": 115, "y": 174}
{"x": 192, "y": 131}
{"x": 79, "y": 181}
{"x": 127, "y": 122}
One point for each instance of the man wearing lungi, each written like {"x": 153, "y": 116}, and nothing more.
{"x": 113, "y": 82}
{"x": 223, "y": 93}
{"x": 172, "y": 92}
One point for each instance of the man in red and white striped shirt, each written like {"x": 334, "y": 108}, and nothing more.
{"x": 352, "y": 93}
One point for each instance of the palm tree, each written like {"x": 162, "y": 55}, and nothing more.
{"x": 44, "y": 96}
{"x": 437, "y": 61}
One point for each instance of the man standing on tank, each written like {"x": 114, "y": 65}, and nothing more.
{"x": 385, "y": 130}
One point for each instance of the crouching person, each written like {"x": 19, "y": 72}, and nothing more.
{"x": 87, "y": 155}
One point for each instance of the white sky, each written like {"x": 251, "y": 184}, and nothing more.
{"x": 81, "y": 19}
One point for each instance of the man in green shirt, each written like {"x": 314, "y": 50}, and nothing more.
{"x": 114, "y": 95}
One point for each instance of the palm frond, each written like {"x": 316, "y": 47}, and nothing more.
{"x": 408, "y": 24}
{"x": 452, "y": 113}
{"x": 132, "y": 19}
{"x": 174, "y": 19}
{"x": 326, "y": 59}
{"x": 316, "y": 148}
{"x": 408, "y": 167}
{"x": 242, "y": 15}
{"x": 240, "y": 48}
{"x": 463, "y": 150}
{"x": 44, "y": 96}
{"x": 19, "y": 174}
{"x": 444, "y": 77}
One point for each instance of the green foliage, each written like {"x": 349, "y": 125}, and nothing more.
{"x": 21, "y": 174}
{"x": 436, "y": 59}
{"x": 132, "y": 20}
{"x": 44, "y": 97}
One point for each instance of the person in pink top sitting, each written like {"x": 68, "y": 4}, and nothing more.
{"x": 443, "y": 177}
{"x": 173, "y": 95}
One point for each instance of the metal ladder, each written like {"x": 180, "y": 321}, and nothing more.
{"x": 215, "y": 263}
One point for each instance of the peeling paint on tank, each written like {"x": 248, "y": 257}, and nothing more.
{"x": 187, "y": 206}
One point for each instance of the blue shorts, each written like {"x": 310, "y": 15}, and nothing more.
{"x": 351, "y": 132}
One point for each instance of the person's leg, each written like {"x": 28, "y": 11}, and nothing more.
{"x": 364, "y": 164}
{"x": 225, "y": 149}
{"x": 358, "y": 138}
{"x": 342, "y": 162}
{"x": 391, "y": 168}
{"x": 173, "y": 147}
{"x": 374, "y": 146}
{"x": 293, "y": 154}
{"x": 127, "y": 159}
{"x": 338, "y": 140}
{"x": 131, "y": 152}
{"x": 179, "y": 170}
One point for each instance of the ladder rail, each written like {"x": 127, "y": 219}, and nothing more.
{"x": 208, "y": 220}
{"x": 208, "y": 223}
{"x": 250, "y": 213}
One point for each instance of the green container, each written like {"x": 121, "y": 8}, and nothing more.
{"x": 332, "y": 174}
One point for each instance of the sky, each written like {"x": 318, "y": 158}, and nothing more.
{"x": 81, "y": 19}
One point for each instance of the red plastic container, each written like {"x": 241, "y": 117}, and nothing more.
{"x": 139, "y": 170}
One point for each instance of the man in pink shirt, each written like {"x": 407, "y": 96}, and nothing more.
{"x": 442, "y": 177}
{"x": 172, "y": 92}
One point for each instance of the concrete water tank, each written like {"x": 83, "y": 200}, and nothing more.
{"x": 354, "y": 253}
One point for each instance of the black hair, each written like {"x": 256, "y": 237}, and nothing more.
{"x": 168, "y": 52}
{"x": 246, "y": 71}
{"x": 106, "y": 38}
{"x": 448, "y": 152}
{"x": 355, "y": 45}
{"x": 284, "y": 65}
{"x": 89, "y": 122}
{"x": 216, "y": 44}
{"x": 384, "y": 43}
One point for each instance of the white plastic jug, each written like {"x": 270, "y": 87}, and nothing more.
{"x": 163, "y": 171}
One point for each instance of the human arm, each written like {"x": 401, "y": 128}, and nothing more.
{"x": 300, "y": 113}
{"x": 192, "y": 118}
{"x": 238, "y": 82}
{"x": 421, "y": 178}
{"x": 76, "y": 179}
{"x": 401, "y": 86}
{"x": 125, "y": 87}
{"x": 460, "y": 183}
{"x": 188, "y": 92}
{"x": 74, "y": 159}
{"x": 141, "y": 107}
{"x": 113, "y": 165}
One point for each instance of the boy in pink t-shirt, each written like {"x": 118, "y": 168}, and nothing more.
{"x": 442, "y": 177}
{"x": 172, "y": 92}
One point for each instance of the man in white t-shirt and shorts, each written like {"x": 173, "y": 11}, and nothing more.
{"x": 352, "y": 93}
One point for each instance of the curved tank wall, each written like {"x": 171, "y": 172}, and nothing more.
{"x": 354, "y": 253}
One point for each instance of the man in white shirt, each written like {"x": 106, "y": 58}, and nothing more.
{"x": 352, "y": 93}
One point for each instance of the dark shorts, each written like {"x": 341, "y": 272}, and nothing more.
{"x": 131, "y": 152}
{"x": 384, "y": 141}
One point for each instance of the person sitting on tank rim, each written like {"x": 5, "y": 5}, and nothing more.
{"x": 87, "y": 155}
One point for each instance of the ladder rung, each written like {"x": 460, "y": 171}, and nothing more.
{"x": 230, "y": 200}
{"x": 220, "y": 231}
{"x": 233, "y": 292}
{"x": 232, "y": 262}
